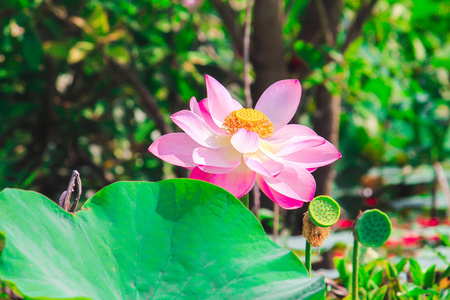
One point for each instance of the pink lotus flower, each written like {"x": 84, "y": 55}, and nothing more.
{"x": 232, "y": 147}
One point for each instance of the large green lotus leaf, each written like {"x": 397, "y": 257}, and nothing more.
{"x": 176, "y": 239}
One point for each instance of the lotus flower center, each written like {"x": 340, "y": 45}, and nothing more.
{"x": 251, "y": 120}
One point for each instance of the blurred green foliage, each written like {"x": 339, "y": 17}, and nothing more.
{"x": 77, "y": 77}
{"x": 66, "y": 104}
{"x": 395, "y": 79}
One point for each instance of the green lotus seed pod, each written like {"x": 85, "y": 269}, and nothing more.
{"x": 373, "y": 228}
{"x": 324, "y": 211}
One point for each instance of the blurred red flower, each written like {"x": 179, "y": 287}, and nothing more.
{"x": 427, "y": 222}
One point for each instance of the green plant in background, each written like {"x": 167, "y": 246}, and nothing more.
{"x": 322, "y": 213}
{"x": 372, "y": 278}
{"x": 135, "y": 240}
{"x": 428, "y": 284}
{"x": 381, "y": 279}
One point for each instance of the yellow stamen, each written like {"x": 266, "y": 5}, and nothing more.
{"x": 251, "y": 120}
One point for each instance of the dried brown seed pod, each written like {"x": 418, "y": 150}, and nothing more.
{"x": 315, "y": 235}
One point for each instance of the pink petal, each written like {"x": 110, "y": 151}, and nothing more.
{"x": 294, "y": 183}
{"x": 201, "y": 110}
{"x": 198, "y": 130}
{"x": 263, "y": 165}
{"x": 220, "y": 102}
{"x": 289, "y": 131}
{"x": 203, "y": 105}
{"x": 280, "y": 199}
{"x": 238, "y": 182}
{"x": 194, "y": 107}
{"x": 301, "y": 143}
{"x": 295, "y": 144}
{"x": 245, "y": 141}
{"x": 217, "y": 161}
{"x": 175, "y": 148}
{"x": 280, "y": 102}
{"x": 314, "y": 157}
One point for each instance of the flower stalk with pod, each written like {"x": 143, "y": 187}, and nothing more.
{"x": 322, "y": 213}
{"x": 372, "y": 228}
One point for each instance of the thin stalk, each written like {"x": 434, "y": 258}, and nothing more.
{"x": 355, "y": 269}
{"x": 276, "y": 221}
{"x": 256, "y": 201}
{"x": 308, "y": 257}
{"x": 247, "y": 78}
{"x": 244, "y": 200}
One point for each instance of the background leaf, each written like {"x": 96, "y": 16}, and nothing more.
{"x": 416, "y": 272}
{"x": 429, "y": 276}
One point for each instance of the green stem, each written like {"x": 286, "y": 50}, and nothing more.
{"x": 308, "y": 257}
{"x": 244, "y": 200}
{"x": 355, "y": 269}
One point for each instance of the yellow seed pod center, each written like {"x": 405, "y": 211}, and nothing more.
{"x": 249, "y": 115}
{"x": 251, "y": 120}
